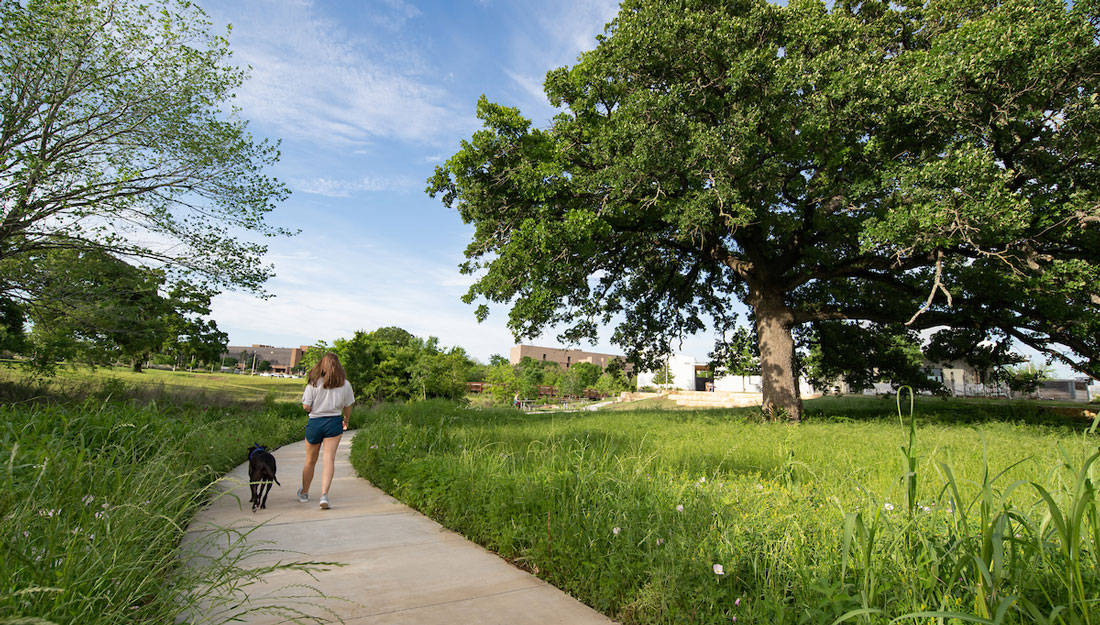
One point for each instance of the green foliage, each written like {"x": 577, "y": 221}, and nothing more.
{"x": 819, "y": 162}
{"x": 817, "y": 524}
{"x": 663, "y": 375}
{"x": 115, "y": 130}
{"x": 390, "y": 364}
{"x": 189, "y": 337}
{"x": 862, "y": 354}
{"x": 579, "y": 377}
{"x": 503, "y": 382}
{"x": 611, "y": 384}
{"x": 94, "y": 308}
{"x": 737, "y": 355}
{"x": 12, "y": 326}
{"x": 1023, "y": 379}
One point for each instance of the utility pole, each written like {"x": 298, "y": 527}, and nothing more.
{"x": 253, "y": 364}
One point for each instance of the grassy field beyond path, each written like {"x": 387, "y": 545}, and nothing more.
{"x": 679, "y": 517}
{"x": 199, "y": 386}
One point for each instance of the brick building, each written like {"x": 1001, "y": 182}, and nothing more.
{"x": 282, "y": 359}
{"x": 564, "y": 357}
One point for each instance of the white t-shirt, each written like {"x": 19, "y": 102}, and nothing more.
{"x": 327, "y": 402}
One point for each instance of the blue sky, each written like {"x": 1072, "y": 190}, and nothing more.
{"x": 368, "y": 96}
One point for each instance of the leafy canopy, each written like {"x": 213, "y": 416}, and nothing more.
{"x": 863, "y": 162}
{"x": 117, "y": 139}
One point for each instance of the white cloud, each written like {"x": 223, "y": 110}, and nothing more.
{"x": 555, "y": 36}
{"x": 530, "y": 85}
{"x": 311, "y": 79}
{"x": 317, "y": 298}
{"x": 331, "y": 187}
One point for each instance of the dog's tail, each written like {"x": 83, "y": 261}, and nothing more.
{"x": 276, "y": 480}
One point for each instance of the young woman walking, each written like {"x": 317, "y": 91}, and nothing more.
{"x": 328, "y": 398}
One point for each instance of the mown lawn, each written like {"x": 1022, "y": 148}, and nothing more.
{"x": 660, "y": 516}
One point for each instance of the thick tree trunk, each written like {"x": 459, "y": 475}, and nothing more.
{"x": 777, "y": 358}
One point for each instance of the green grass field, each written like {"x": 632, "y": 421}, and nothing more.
{"x": 101, "y": 473}
{"x": 199, "y": 385}
{"x": 660, "y": 516}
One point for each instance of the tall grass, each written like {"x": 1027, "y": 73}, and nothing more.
{"x": 95, "y": 496}
{"x": 676, "y": 517}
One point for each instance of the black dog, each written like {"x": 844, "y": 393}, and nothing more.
{"x": 261, "y": 472}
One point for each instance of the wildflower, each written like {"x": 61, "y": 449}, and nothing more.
{"x": 680, "y": 508}
{"x": 100, "y": 515}
{"x": 87, "y": 499}
{"x": 703, "y": 479}
{"x": 734, "y": 620}
{"x": 888, "y": 506}
{"x": 759, "y": 487}
{"x": 925, "y": 509}
{"x": 660, "y": 541}
{"x": 718, "y": 570}
{"x": 616, "y": 530}
{"x": 737, "y": 604}
{"x": 105, "y": 506}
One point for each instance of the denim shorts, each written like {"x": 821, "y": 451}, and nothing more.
{"x": 320, "y": 428}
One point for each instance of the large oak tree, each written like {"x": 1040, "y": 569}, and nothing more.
{"x": 863, "y": 163}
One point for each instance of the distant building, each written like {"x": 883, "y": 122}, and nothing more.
{"x": 282, "y": 359}
{"x": 1064, "y": 390}
{"x": 689, "y": 374}
{"x": 564, "y": 357}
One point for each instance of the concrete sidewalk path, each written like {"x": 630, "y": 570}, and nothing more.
{"x": 399, "y": 566}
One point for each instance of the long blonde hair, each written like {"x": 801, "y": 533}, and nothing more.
{"x": 329, "y": 370}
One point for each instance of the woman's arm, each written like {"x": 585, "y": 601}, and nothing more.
{"x": 347, "y": 415}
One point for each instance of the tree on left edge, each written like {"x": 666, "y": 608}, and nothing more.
{"x": 114, "y": 142}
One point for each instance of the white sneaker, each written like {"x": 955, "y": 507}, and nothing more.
{"x": 324, "y": 502}
{"x": 302, "y": 497}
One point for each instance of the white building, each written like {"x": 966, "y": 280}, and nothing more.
{"x": 686, "y": 376}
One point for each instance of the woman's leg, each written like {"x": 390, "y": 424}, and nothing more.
{"x": 311, "y": 460}
{"x": 328, "y": 468}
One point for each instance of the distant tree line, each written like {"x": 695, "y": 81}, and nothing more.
{"x": 529, "y": 374}
{"x": 390, "y": 364}
{"x": 96, "y": 309}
